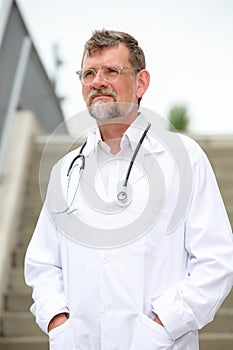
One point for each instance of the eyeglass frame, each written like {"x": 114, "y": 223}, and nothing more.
{"x": 95, "y": 71}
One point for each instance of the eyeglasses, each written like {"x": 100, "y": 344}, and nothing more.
{"x": 108, "y": 73}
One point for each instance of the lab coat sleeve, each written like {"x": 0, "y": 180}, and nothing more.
{"x": 192, "y": 303}
{"x": 43, "y": 270}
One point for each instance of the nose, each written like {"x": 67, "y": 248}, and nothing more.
{"x": 98, "y": 81}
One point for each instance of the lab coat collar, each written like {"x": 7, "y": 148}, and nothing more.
{"x": 134, "y": 132}
{"x": 132, "y": 135}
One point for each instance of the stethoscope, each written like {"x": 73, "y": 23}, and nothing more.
{"x": 123, "y": 193}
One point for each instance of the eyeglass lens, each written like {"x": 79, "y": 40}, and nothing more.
{"x": 108, "y": 74}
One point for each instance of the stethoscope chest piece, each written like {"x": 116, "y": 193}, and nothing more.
{"x": 124, "y": 194}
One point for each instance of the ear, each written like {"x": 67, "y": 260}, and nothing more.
{"x": 142, "y": 82}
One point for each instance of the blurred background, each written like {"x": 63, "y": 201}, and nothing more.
{"x": 188, "y": 47}
{"x": 189, "y": 52}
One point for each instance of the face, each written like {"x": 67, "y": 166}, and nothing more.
{"x": 108, "y": 100}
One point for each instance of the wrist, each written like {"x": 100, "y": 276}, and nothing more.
{"x": 157, "y": 320}
{"x": 57, "y": 320}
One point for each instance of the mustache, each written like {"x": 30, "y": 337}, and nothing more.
{"x": 97, "y": 92}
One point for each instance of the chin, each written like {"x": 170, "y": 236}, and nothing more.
{"x": 107, "y": 111}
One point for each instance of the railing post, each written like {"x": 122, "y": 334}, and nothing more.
{"x": 14, "y": 98}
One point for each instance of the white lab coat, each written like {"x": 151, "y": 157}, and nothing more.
{"x": 110, "y": 293}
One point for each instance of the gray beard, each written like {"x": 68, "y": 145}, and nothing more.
{"x": 103, "y": 110}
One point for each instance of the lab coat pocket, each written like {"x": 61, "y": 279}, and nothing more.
{"x": 157, "y": 249}
{"x": 62, "y": 337}
{"x": 150, "y": 335}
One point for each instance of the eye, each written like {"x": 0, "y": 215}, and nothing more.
{"x": 111, "y": 71}
{"x": 88, "y": 73}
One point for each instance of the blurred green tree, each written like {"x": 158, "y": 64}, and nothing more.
{"x": 178, "y": 118}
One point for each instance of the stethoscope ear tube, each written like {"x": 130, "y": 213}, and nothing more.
{"x": 80, "y": 155}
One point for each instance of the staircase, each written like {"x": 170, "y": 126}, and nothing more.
{"x": 218, "y": 335}
{"x": 18, "y": 330}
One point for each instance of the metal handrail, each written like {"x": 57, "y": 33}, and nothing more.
{"x": 14, "y": 98}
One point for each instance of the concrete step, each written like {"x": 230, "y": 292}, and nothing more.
{"x": 32, "y": 205}
{"x": 25, "y": 235}
{"x": 223, "y": 172}
{"x": 18, "y": 300}
{"x": 19, "y": 324}
{"x": 216, "y": 341}
{"x": 16, "y": 279}
{"x": 18, "y": 256}
{"x": 230, "y": 216}
{"x": 29, "y": 224}
{"x": 223, "y": 161}
{"x": 226, "y": 189}
{"x": 223, "y": 322}
{"x": 225, "y": 179}
{"x": 226, "y": 184}
{"x": 24, "y": 343}
{"x": 223, "y": 157}
{"x": 30, "y": 216}
{"x": 228, "y": 302}
{"x": 228, "y": 204}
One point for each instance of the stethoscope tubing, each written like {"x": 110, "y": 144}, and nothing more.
{"x": 80, "y": 155}
{"x": 122, "y": 195}
{"x": 135, "y": 155}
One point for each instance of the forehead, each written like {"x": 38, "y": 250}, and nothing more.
{"x": 115, "y": 55}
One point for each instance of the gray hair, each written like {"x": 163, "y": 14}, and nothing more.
{"x": 109, "y": 38}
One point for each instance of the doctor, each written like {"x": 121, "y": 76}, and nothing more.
{"x": 133, "y": 248}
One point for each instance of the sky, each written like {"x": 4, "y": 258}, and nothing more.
{"x": 188, "y": 46}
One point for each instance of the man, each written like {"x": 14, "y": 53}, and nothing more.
{"x": 138, "y": 254}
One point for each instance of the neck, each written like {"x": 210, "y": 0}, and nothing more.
{"x": 111, "y": 131}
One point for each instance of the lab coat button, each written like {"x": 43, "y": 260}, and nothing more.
{"x": 106, "y": 309}
{"x": 105, "y": 259}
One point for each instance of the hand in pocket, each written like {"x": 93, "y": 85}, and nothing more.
{"x": 62, "y": 337}
{"x": 150, "y": 335}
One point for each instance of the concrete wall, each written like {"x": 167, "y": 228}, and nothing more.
{"x": 12, "y": 188}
